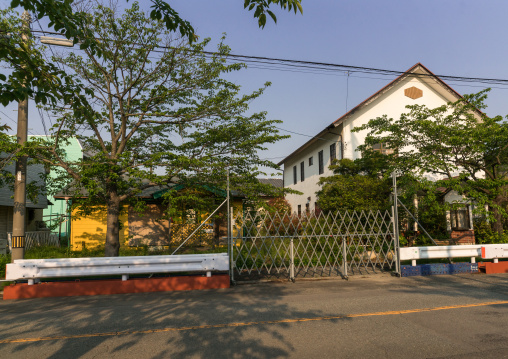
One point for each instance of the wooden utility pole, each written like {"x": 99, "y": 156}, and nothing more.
{"x": 19, "y": 210}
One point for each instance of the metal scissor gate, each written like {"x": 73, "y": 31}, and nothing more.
{"x": 310, "y": 245}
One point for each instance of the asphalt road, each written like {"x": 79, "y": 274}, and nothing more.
{"x": 366, "y": 317}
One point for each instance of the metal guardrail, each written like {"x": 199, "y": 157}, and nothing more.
{"x": 35, "y": 269}
{"x": 458, "y": 251}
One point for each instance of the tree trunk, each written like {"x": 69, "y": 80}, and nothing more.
{"x": 498, "y": 222}
{"x": 497, "y": 226}
{"x": 113, "y": 227}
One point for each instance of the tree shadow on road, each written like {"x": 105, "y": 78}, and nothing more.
{"x": 228, "y": 323}
{"x": 473, "y": 286}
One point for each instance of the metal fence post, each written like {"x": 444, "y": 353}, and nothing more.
{"x": 396, "y": 241}
{"x": 230, "y": 244}
{"x": 344, "y": 256}
{"x": 292, "y": 261}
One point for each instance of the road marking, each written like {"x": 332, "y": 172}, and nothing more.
{"x": 229, "y": 325}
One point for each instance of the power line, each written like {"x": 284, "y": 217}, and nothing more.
{"x": 15, "y": 122}
{"x": 313, "y": 65}
{"x": 303, "y": 134}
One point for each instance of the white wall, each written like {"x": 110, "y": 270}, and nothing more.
{"x": 310, "y": 185}
{"x": 392, "y": 103}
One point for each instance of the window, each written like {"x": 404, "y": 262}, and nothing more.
{"x": 317, "y": 210}
{"x": 295, "y": 177}
{"x": 299, "y": 209}
{"x": 307, "y": 208}
{"x": 460, "y": 219}
{"x": 340, "y": 150}
{"x": 382, "y": 148}
{"x": 302, "y": 171}
{"x": 333, "y": 154}
{"x": 320, "y": 162}
{"x": 311, "y": 161}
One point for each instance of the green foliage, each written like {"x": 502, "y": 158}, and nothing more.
{"x": 33, "y": 77}
{"x": 4, "y": 259}
{"x": 261, "y": 8}
{"x": 157, "y": 118}
{"x": 485, "y": 235}
{"x": 457, "y": 144}
{"x": 356, "y": 185}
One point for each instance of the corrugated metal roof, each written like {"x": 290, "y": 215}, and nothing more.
{"x": 276, "y": 182}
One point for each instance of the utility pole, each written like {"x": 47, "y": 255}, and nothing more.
{"x": 18, "y": 220}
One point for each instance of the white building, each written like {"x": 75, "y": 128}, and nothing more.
{"x": 309, "y": 162}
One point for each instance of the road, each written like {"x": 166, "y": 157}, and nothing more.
{"x": 378, "y": 316}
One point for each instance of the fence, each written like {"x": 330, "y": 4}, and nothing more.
{"x": 37, "y": 239}
{"x": 311, "y": 245}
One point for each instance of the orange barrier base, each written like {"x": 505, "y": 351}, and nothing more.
{"x": 114, "y": 286}
{"x": 492, "y": 268}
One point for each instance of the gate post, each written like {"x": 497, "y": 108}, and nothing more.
{"x": 344, "y": 256}
{"x": 230, "y": 246}
{"x": 396, "y": 246}
{"x": 292, "y": 261}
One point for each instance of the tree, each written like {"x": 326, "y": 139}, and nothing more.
{"x": 457, "y": 144}
{"x": 160, "y": 112}
{"x": 359, "y": 185}
{"x": 33, "y": 77}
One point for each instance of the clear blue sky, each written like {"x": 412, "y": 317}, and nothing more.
{"x": 450, "y": 37}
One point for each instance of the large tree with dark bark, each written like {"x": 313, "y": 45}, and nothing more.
{"x": 159, "y": 111}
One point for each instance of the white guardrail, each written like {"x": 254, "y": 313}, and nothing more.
{"x": 35, "y": 269}
{"x": 486, "y": 251}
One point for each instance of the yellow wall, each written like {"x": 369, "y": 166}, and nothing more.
{"x": 91, "y": 230}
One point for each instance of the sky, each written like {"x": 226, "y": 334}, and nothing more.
{"x": 449, "y": 37}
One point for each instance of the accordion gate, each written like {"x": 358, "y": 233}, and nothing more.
{"x": 311, "y": 245}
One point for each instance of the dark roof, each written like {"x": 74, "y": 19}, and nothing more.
{"x": 87, "y": 152}
{"x": 411, "y": 72}
{"x": 33, "y": 175}
{"x": 276, "y": 182}
{"x": 156, "y": 191}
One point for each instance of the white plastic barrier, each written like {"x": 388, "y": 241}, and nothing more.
{"x": 34, "y": 269}
{"x": 495, "y": 251}
{"x": 458, "y": 251}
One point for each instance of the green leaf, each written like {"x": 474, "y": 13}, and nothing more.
{"x": 272, "y": 15}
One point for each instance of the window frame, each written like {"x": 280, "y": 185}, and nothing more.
{"x": 321, "y": 166}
